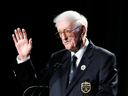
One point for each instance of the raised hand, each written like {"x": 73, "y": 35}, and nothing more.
{"x": 22, "y": 44}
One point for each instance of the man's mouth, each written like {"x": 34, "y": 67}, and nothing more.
{"x": 66, "y": 42}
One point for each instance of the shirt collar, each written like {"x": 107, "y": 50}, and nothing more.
{"x": 80, "y": 53}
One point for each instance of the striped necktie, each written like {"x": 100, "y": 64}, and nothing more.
{"x": 73, "y": 68}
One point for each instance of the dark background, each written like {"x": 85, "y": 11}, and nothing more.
{"x": 108, "y": 27}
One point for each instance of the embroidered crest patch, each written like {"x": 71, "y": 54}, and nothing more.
{"x": 85, "y": 87}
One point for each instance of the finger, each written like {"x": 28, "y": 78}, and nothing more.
{"x": 24, "y": 33}
{"x": 14, "y": 39}
{"x": 20, "y": 33}
{"x": 17, "y": 35}
{"x": 30, "y": 42}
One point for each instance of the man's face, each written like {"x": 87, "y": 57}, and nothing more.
{"x": 72, "y": 41}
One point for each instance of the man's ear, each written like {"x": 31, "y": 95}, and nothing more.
{"x": 83, "y": 31}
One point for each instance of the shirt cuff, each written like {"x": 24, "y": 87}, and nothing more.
{"x": 21, "y": 61}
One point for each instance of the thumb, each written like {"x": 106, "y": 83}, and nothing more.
{"x": 30, "y": 41}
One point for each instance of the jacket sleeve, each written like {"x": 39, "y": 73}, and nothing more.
{"x": 25, "y": 72}
{"x": 108, "y": 77}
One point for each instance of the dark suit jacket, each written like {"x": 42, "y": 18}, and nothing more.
{"x": 96, "y": 74}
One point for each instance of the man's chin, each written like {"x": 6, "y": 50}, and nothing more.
{"x": 71, "y": 49}
{"x": 68, "y": 48}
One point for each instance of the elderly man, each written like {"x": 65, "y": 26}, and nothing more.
{"x": 87, "y": 70}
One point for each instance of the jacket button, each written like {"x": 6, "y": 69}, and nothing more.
{"x": 14, "y": 73}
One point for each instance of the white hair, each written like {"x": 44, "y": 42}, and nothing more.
{"x": 74, "y": 16}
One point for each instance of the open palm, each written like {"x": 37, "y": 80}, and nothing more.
{"x": 22, "y": 44}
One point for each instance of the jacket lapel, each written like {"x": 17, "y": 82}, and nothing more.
{"x": 85, "y": 61}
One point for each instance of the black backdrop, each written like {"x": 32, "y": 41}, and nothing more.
{"x": 107, "y": 28}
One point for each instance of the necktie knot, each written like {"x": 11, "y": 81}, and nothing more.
{"x": 74, "y": 60}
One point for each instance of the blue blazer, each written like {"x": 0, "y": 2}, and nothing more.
{"x": 96, "y": 74}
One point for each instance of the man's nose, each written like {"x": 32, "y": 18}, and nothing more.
{"x": 64, "y": 36}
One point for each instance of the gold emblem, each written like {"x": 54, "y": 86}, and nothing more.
{"x": 85, "y": 87}
{"x": 83, "y": 67}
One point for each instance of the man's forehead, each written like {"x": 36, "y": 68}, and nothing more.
{"x": 61, "y": 25}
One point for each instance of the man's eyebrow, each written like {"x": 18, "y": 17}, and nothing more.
{"x": 66, "y": 29}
